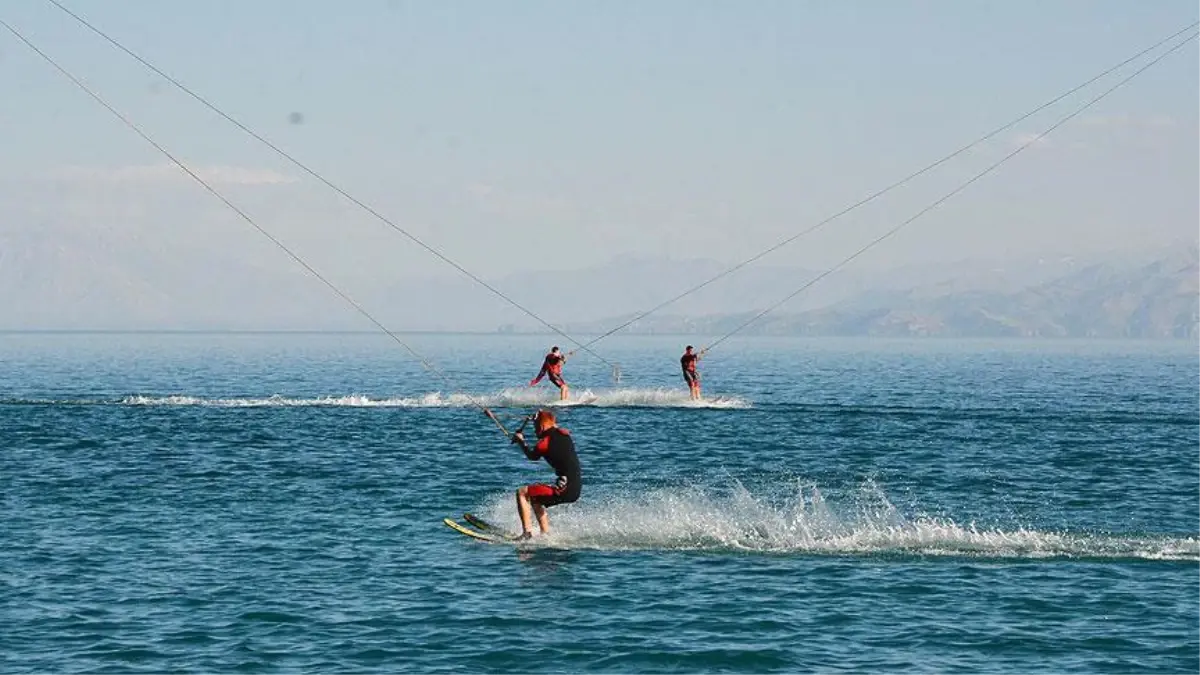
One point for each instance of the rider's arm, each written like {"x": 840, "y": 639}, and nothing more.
{"x": 519, "y": 439}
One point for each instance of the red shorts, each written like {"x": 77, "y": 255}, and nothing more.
{"x": 549, "y": 495}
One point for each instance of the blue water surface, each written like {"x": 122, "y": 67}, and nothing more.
{"x": 273, "y": 503}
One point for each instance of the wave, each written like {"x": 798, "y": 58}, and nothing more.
{"x": 702, "y": 519}
{"x": 275, "y": 401}
{"x": 616, "y": 398}
{"x": 507, "y": 398}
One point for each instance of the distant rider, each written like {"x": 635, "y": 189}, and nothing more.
{"x": 558, "y": 449}
{"x": 552, "y": 368}
{"x": 690, "y": 374}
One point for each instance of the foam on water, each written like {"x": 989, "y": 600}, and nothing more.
{"x": 278, "y": 401}
{"x": 516, "y": 398}
{"x": 702, "y": 518}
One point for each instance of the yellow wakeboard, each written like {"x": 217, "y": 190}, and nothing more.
{"x": 483, "y": 536}
{"x": 486, "y": 527}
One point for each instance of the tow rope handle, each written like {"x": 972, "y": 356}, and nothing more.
{"x": 491, "y": 415}
{"x": 521, "y": 428}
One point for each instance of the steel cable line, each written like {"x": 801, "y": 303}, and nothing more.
{"x": 207, "y": 186}
{"x": 304, "y": 167}
{"x": 586, "y": 346}
{"x": 952, "y": 193}
{"x": 875, "y": 195}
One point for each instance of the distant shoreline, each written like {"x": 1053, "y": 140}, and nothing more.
{"x": 548, "y": 334}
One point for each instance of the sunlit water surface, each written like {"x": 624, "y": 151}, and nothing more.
{"x": 272, "y": 503}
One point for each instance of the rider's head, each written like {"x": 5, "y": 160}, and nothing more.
{"x": 543, "y": 421}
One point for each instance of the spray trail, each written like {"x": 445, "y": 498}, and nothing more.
{"x": 507, "y": 398}
{"x": 697, "y": 518}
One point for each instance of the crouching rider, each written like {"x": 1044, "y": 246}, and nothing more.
{"x": 556, "y": 446}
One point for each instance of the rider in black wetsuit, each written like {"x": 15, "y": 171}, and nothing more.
{"x": 556, "y": 446}
{"x": 690, "y": 374}
{"x": 552, "y": 367}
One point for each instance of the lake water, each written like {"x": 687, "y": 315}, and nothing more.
{"x": 273, "y": 503}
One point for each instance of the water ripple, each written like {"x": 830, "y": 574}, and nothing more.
{"x": 901, "y": 511}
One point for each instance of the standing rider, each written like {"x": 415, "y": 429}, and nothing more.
{"x": 552, "y": 367}
{"x": 690, "y": 374}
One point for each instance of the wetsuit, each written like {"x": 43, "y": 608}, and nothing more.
{"x": 690, "y": 374}
{"x": 551, "y": 367}
{"x": 558, "y": 449}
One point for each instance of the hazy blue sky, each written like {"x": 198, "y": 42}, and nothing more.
{"x": 555, "y": 135}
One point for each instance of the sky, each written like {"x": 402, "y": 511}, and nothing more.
{"x": 554, "y": 136}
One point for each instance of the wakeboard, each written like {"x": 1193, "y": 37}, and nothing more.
{"x": 483, "y": 530}
{"x": 471, "y": 532}
{"x": 488, "y": 528}
{"x": 494, "y": 534}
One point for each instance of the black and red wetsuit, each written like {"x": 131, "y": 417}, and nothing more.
{"x": 690, "y": 374}
{"x": 551, "y": 367}
{"x": 558, "y": 449}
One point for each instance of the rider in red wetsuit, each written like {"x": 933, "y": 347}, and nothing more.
{"x": 552, "y": 367}
{"x": 558, "y": 449}
{"x": 690, "y": 374}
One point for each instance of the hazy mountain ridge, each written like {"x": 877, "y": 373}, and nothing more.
{"x": 101, "y": 275}
{"x": 1120, "y": 299}
{"x": 109, "y": 279}
{"x": 582, "y": 297}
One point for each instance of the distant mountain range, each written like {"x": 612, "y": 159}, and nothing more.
{"x": 1158, "y": 298}
{"x": 111, "y": 278}
{"x": 595, "y": 299}
{"x": 103, "y": 278}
